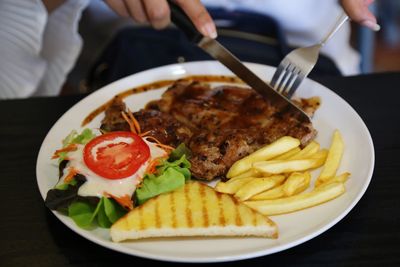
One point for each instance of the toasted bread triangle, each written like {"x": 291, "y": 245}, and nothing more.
{"x": 195, "y": 209}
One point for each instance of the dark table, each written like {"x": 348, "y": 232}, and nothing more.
{"x": 369, "y": 236}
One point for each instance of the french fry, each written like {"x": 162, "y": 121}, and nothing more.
{"x": 296, "y": 183}
{"x": 231, "y": 186}
{"x": 258, "y": 185}
{"x": 287, "y": 166}
{"x": 342, "y": 178}
{"x": 333, "y": 159}
{"x": 288, "y": 154}
{"x": 267, "y": 152}
{"x": 259, "y": 180}
{"x": 320, "y": 156}
{"x": 248, "y": 173}
{"x": 306, "y": 152}
{"x": 273, "y": 193}
{"x": 298, "y": 202}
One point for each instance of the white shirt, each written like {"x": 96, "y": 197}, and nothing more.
{"x": 37, "y": 50}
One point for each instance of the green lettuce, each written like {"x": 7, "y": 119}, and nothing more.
{"x": 169, "y": 176}
{"x": 75, "y": 138}
{"x": 105, "y": 213}
{"x": 178, "y": 152}
{"x": 65, "y": 186}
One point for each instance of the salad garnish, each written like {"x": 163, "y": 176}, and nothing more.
{"x": 113, "y": 156}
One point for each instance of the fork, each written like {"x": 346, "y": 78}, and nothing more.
{"x": 298, "y": 64}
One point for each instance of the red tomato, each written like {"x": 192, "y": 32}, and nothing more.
{"x": 116, "y": 155}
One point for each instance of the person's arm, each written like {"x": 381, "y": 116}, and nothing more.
{"x": 39, "y": 44}
{"x": 157, "y": 13}
{"x": 358, "y": 11}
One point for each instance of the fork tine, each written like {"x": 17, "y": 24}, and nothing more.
{"x": 288, "y": 71}
{"x": 288, "y": 85}
{"x": 289, "y": 90}
{"x": 297, "y": 82}
{"x": 282, "y": 66}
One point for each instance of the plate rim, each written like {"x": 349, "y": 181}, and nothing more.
{"x": 268, "y": 251}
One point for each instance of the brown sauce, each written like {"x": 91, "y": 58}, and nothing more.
{"x": 157, "y": 85}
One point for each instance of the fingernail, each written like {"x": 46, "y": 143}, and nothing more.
{"x": 372, "y": 25}
{"x": 209, "y": 30}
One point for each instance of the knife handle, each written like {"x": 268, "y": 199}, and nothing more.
{"x": 183, "y": 22}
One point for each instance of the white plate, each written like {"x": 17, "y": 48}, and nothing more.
{"x": 294, "y": 228}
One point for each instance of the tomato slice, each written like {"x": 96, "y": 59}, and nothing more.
{"x": 116, "y": 155}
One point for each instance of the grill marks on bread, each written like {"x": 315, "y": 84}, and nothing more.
{"x": 193, "y": 210}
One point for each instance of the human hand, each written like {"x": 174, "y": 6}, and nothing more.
{"x": 157, "y": 13}
{"x": 358, "y": 11}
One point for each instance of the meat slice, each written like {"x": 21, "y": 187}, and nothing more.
{"x": 113, "y": 120}
{"x": 219, "y": 125}
{"x": 229, "y": 122}
{"x": 160, "y": 125}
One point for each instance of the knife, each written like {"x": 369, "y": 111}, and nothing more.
{"x": 220, "y": 53}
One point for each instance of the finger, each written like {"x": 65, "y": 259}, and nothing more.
{"x": 157, "y": 12}
{"x": 136, "y": 10}
{"x": 359, "y": 12}
{"x": 199, "y": 16}
{"x": 119, "y": 7}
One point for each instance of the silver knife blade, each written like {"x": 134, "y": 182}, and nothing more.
{"x": 220, "y": 53}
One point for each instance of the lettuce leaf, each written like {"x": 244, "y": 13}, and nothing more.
{"x": 65, "y": 186}
{"x": 154, "y": 185}
{"x": 178, "y": 152}
{"x": 113, "y": 210}
{"x": 181, "y": 165}
{"x": 74, "y": 138}
{"x": 60, "y": 197}
{"x": 86, "y": 215}
{"x": 82, "y": 213}
{"x": 168, "y": 177}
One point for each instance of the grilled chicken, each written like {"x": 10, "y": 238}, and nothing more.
{"x": 219, "y": 125}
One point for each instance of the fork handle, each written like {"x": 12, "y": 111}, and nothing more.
{"x": 343, "y": 18}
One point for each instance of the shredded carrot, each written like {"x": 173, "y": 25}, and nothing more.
{"x": 159, "y": 144}
{"x": 131, "y": 124}
{"x": 154, "y": 139}
{"x": 144, "y": 134}
{"x": 70, "y": 147}
{"x": 135, "y": 128}
{"x": 165, "y": 146}
{"x": 125, "y": 201}
{"x": 72, "y": 172}
{"x": 135, "y": 122}
{"x": 151, "y": 168}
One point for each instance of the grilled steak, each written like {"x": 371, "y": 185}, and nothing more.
{"x": 219, "y": 125}
{"x": 162, "y": 126}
